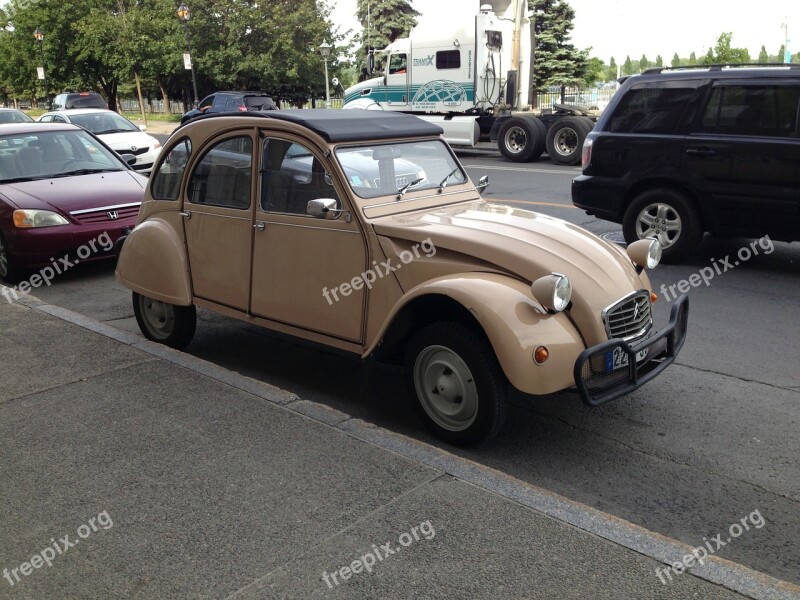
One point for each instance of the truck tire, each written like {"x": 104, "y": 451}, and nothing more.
{"x": 522, "y": 139}
{"x": 565, "y": 139}
{"x": 667, "y": 215}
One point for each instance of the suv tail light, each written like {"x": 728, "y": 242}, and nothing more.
{"x": 242, "y": 108}
{"x": 586, "y": 153}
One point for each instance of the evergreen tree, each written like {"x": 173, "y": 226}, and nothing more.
{"x": 556, "y": 61}
{"x": 676, "y": 60}
{"x": 383, "y": 21}
{"x": 627, "y": 66}
{"x": 763, "y": 57}
{"x": 692, "y": 59}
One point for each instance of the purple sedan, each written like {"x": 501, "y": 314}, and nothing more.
{"x": 65, "y": 198}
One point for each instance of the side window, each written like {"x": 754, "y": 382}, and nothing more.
{"x": 752, "y": 110}
{"x": 46, "y": 119}
{"x": 167, "y": 181}
{"x": 650, "y": 110}
{"x": 397, "y": 64}
{"x": 291, "y": 176}
{"x": 448, "y": 59}
{"x": 222, "y": 177}
{"x": 206, "y": 104}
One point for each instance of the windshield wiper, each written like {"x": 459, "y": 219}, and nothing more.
{"x": 443, "y": 183}
{"x": 21, "y": 179}
{"x": 84, "y": 172}
{"x": 404, "y": 189}
{"x": 112, "y": 131}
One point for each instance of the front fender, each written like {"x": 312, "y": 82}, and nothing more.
{"x": 515, "y": 324}
{"x": 153, "y": 262}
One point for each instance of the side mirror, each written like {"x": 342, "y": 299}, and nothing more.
{"x": 483, "y": 183}
{"x": 130, "y": 159}
{"x": 323, "y": 208}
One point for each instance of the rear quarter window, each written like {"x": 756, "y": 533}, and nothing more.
{"x": 757, "y": 110}
{"x": 166, "y": 183}
{"x": 650, "y": 110}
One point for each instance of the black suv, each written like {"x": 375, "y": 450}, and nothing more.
{"x": 231, "y": 102}
{"x": 78, "y": 100}
{"x": 679, "y": 152}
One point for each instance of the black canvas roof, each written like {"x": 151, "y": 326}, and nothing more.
{"x": 352, "y": 124}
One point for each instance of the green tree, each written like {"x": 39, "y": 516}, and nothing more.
{"x": 611, "y": 70}
{"x": 595, "y": 71}
{"x": 627, "y": 66}
{"x": 763, "y": 57}
{"x": 383, "y": 22}
{"x": 692, "y": 59}
{"x": 676, "y": 60}
{"x": 723, "y": 53}
{"x": 659, "y": 61}
{"x": 557, "y": 61}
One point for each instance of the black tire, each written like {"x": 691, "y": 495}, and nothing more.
{"x": 522, "y": 139}
{"x": 8, "y": 272}
{"x": 669, "y": 216}
{"x": 564, "y": 140}
{"x": 455, "y": 360}
{"x": 165, "y": 323}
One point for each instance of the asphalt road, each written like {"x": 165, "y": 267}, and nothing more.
{"x": 710, "y": 442}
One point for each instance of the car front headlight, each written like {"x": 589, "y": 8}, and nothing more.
{"x": 645, "y": 253}
{"x": 30, "y": 218}
{"x": 553, "y": 292}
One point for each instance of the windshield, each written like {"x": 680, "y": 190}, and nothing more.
{"x": 401, "y": 167}
{"x": 47, "y": 155}
{"x": 100, "y": 123}
{"x": 14, "y": 116}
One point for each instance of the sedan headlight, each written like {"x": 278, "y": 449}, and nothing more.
{"x": 645, "y": 253}
{"x": 28, "y": 218}
{"x": 553, "y": 291}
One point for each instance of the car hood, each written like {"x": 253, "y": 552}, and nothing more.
{"x": 128, "y": 139}
{"x": 527, "y": 245}
{"x": 67, "y": 194}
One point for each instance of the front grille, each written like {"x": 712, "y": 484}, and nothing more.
{"x": 107, "y": 213}
{"x": 136, "y": 152}
{"x": 629, "y": 318}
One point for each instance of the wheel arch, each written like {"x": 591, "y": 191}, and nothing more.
{"x": 153, "y": 262}
{"x": 504, "y": 311}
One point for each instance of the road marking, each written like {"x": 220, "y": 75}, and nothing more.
{"x": 571, "y": 172}
{"x": 532, "y": 202}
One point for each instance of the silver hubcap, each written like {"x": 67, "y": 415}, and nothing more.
{"x": 159, "y": 317}
{"x": 515, "y": 140}
{"x": 660, "y": 221}
{"x": 565, "y": 141}
{"x": 446, "y": 388}
{"x": 3, "y": 259}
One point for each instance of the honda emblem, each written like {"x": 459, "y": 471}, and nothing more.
{"x": 112, "y": 215}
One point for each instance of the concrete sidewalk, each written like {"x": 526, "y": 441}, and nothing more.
{"x": 134, "y": 471}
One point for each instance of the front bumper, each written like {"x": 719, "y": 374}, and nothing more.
{"x": 596, "y": 384}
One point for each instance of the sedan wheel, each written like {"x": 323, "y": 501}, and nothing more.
{"x": 460, "y": 389}
{"x": 7, "y": 272}
{"x": 163, "y": 322}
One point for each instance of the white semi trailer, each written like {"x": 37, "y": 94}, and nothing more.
{"x": 470, "y": 75}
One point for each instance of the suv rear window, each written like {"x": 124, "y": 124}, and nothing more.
{"x": 764, "y": 110}
{"x": 650, "y": 110}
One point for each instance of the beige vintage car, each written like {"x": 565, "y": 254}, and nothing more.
{"x": 359, "y": 230}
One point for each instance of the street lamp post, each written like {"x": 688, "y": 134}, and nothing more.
{"x": 38, "y": 34}
{"x": 184, "y": 14}
{"x": 325, "y": 51}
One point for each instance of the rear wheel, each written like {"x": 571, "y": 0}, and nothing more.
{"x": 565, "y": 138}
{"x": 165, "y": 323}
{"x": 668, "y": 216}
{"x": 522, "y": 139}
{"x": 460, "y": 389}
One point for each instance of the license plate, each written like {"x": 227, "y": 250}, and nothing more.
{"x": 618, "y": 358}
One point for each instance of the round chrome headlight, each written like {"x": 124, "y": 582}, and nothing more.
{"x": 645, "y": 253}
{"x": 553, "y": 291}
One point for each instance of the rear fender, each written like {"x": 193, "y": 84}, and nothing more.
{"x": 153, "y": 262}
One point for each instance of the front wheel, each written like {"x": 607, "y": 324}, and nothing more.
{"x": 460, "y": 389}
{"x": 668, "y": 216}
{"x": 163, "y": 322}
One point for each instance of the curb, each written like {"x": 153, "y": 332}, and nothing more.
{"x": 733, "y": 576}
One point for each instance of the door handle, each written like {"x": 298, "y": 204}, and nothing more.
{"x": 185, "y": 213}
{"x": 260, "y": 225}
{"x": 700, "y": 152}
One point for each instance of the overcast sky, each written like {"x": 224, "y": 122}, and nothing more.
{"x": 634, "y": 27}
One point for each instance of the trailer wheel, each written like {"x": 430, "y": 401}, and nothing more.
{"x": 565, "y": 139}
{"x": 522, "y": 139}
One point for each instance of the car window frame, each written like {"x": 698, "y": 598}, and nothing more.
{"x": 164, "y": 155}
{"x": 194, "y": 163}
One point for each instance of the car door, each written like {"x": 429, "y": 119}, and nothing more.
{"x": 745, "y": 154}
{"x": 397, "y": 80}
{"x": 303, "y": 266}
{"x": 218, "y": 221}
